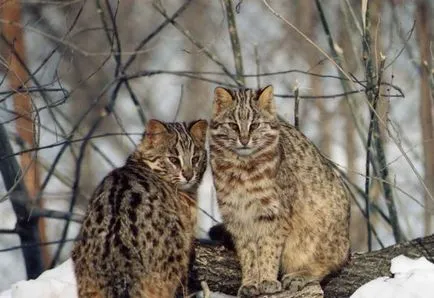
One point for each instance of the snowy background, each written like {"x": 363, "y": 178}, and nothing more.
{"x": 83, "y": 65}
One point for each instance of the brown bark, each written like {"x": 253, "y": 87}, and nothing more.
{"x": 219, "y": 268}
{"x": 192, "y": 105}
{"x": 18, "y": 78}
{"x": 306, "y": 19}
{"x": 423, "y": 28}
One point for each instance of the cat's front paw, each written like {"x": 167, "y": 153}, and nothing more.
{"x": 294, "y": 284}
{"x": 270, "y": 286}
{"x": 248, "y": 290}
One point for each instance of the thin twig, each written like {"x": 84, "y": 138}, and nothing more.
{"x": 370, "y": 94}
{"x": 383, "y": 167}
{"x": 178, "y": 108}
{"x": 338, "y": 55}
{"x": 374, "y": 137}
{"x": 48, "y": 213}
{"x": 306, "y": 38}
{"x": 117, "y": 57}
{"x": 296, "y": 109}
{"x": 235, "y": 41}
{"x": 336, "y": 95}
{"x": 75, "y": 128}
{"x": 68, "y": 142}
{"x": 395, "y": 140}
{"x": 37, "y": 244}
{"x": 207, "y": 52}
{"x": 7, "y": 231}
{"x": 189, "y": 74}
{"x": 364, "y": 213}
{"x": 258, "y": 68}
{"x": 148, "y": 38}
{"x": 77, "y": 176}
{"x": 199, "y": 76}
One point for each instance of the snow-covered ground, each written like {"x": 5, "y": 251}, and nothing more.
{"x": 412, "y": 278}
{"x": 58, "y": 282}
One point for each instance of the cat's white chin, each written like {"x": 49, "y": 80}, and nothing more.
{"x": 244, "y": 151}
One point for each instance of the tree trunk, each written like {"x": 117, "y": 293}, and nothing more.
{"x": 192, "y": 104}
{"x": 423, "y": 28}
{"x": 26, "y": 226}
{"x": 18, "y": 78}
{"x": 219, "y": 268}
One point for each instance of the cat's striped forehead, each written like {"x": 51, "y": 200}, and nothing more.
{"x": 177, "y": 128}
{"x": 181, "y": 137}
{"x": 245, "y": 103}
{"x": 244, "y": 95}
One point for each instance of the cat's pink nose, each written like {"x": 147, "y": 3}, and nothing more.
{"x": 244, "y": 140}
{"x": 188, "y": 174}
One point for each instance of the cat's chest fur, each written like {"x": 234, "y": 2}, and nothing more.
{"x": 245, "y": 187}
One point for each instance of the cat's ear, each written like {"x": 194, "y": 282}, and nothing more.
{"x": 266, "y": 100}
{"x": 156, "y": 133}
{"x": 222, "y": 100}
{"x": 198, "y": 131}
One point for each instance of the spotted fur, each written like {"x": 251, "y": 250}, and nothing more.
{"x": 136, "y": 236}
{"x": 284, "y": 206}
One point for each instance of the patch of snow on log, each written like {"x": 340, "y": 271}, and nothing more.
{"x": 411, "y": 278}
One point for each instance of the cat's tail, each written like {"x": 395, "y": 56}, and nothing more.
{"x": 221, "y": 234}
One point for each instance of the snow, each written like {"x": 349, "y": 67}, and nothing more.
{"x": 54, "y": 283}
{"x": 412, "y": 278}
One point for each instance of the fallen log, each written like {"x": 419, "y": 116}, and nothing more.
{"x": 219, "y": 268}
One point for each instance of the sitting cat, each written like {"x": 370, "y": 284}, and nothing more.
{"x": 281, "y": 201}
{"x": 136, "y": 237}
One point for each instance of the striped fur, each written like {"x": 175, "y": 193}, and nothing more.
{"x": 136, "y": 236}
{"x": 279, "y": 198}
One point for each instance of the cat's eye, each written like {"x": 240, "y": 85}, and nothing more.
{"x": 234, "y": 126}
{"x": 195, "y": 160}
{"x": 254, "y": 126}
{"x": 175, "y": 161}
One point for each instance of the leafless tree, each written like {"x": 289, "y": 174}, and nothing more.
{"x": 81, "y": 78}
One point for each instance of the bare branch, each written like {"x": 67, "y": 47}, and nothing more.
{"x": 235, "y": 41}
{"x": 207, "y": 52}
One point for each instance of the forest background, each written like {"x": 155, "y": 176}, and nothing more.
{"x": 80, "y": 78}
